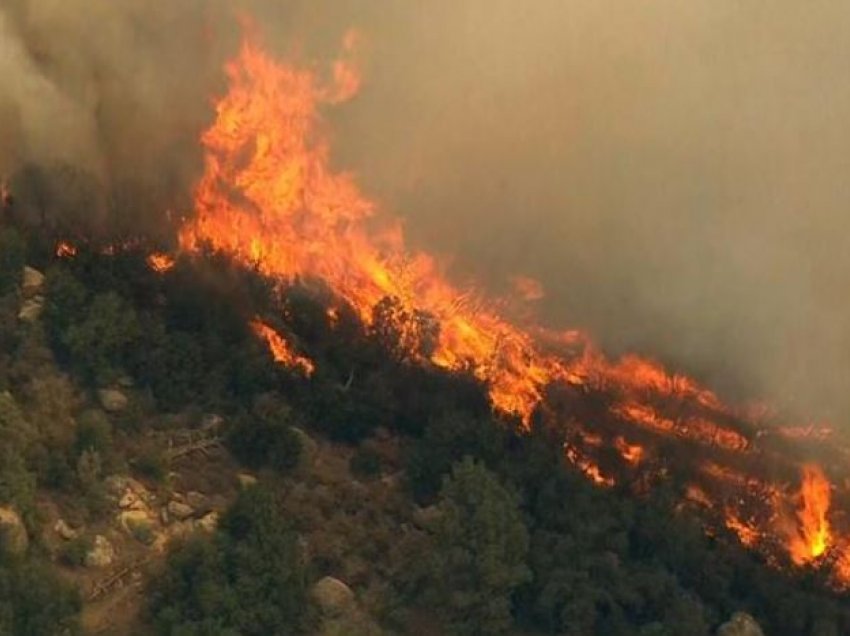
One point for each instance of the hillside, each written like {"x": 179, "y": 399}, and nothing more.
{"x": 163, "y": 472}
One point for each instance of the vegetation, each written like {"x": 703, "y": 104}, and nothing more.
{"x": 478, "y": 528}
{"x": 479, "y": 552}
{"x": 248, "y": 579}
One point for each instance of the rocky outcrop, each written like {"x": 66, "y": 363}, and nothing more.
{"x": 112, "y": 400}
{"x": 32, "y": 282}
{"x": 101, "y": 554}
{"x": 31, "y": 309}
{"x": 179, "y": 510}
{"x": 333, "y": 597}
{"x": 13, "y": 534}
{"x": 740, "y": 624}
{"x": 246, "y": 480}
{"x": 64, "y": 531}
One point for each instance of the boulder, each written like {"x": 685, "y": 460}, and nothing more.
{"x": 179, "y": 510}
{"x": 425, "y": 518}
{"x": 31, "y": 282}
{"x": 129, "y": 501}
{"x": 740, "y": 624}
{"x": 246, "y": 480}
{"x": 130, "y": 520}
{"x": 197, "y": 500}
{"x": 31, "y": 309}
{"x": 112, "y": 400}
{"x": 209, "y": 522}
{"x": 65, "y": 531}
{"x": 101, "y": 554}
{"x": 13, "y": 534}
{"x": 333, "y": 597}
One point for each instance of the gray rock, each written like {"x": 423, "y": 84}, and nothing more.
{"x": 246, "y": 480}
{"x": 64, "y": 530}
{"x": 425, "y": 518}
{"x": 102, "y": 553}
{"x": 112, "y": 400}
{"x": 31, "y": 309}
{"x": 209, "y": 522}
{"x": 180, "y": 510}
{"x": 197, "y": 500}
{"x": 32, "y": 281}
{"x": 13, "y": 534}
{"x": 333, "y": 597}
{"x": 740, "y": 624}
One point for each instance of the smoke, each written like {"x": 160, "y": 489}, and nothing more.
{"x": 673, "y": 173}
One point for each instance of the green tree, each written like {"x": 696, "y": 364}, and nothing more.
{"x": 98, "y": 342}
{"x": 480, "y": 544}
{"x": 248, "y": 580}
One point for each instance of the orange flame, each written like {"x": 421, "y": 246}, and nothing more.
{"x": 65, "y": 250}
{"x": 281, "y": 350}
{"x": 632, "y": 453}
{"x": 814, "y": 536}
{"x": 159, "y": 262}
{"x": 270, "y": 200}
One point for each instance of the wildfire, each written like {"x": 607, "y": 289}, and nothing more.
{"x": 281, "y": 350}
{"x": 160, "y": 262}
{"x": 814, "y": 536}
{"x": 632, "y": 453}
{"x": 65, "y": 250}
{"x": 270, "y": 200}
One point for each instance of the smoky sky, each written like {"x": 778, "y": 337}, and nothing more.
{"x": 674, "y": 173}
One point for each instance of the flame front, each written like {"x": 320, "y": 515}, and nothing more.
{"x": 814, "y": 537}
{"x": 281, "y": 350}
{"x": 270, "y": 199}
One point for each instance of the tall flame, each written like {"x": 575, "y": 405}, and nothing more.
{"x": 270, "y": 199}
{"x": 814, "y": 537}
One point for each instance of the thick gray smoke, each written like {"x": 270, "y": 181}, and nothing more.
{"x": 673, "y": 172}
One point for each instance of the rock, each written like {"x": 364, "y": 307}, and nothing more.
{"x": 425, "y": 518}
{"x": 211, "y": 422}
{"x": 102, "y": 553}
{"x": 112, "y": 400}
{"x": 13, "y": 534}
{"x": 139, "y": 526}
{"x": 126, "y": 382}
{"x": 741, "y": 624}
{"x": 246, "y": 480}
{"x": 209, "y": 522}
{"x": 333, "y": 597}
{"x": 32, "y": 282}
{"x": 197, "y": 500}
{"x": 179, "y": 510}
{"x": 64, "y": 530}
{"x": 117, "y": 485}
{"x": 129, "y": 500}
{"x": 31, "y": 309}
{"x": 129, "y": 520}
